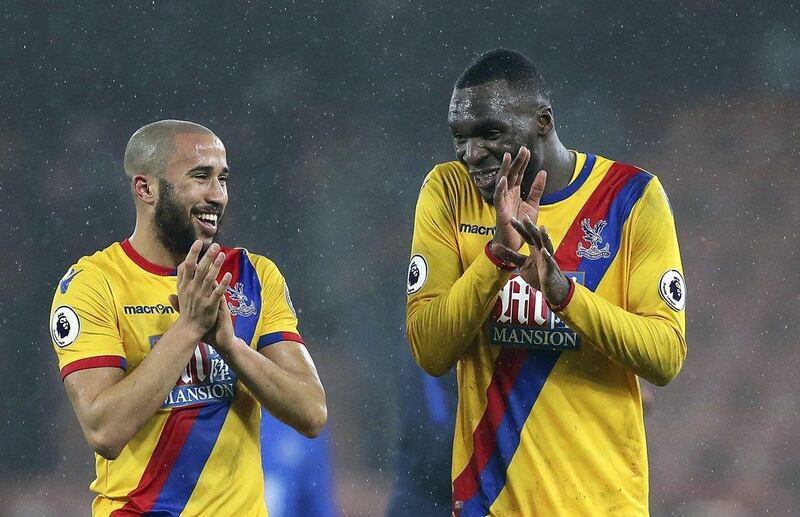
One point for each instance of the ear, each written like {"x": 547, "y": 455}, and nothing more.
{"x": 545, "y": 121}
{"x": 145, "y": 187}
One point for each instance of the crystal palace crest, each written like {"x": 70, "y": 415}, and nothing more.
{"x": 591, "y": 234}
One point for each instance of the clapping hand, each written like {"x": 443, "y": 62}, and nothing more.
{"x": 508, "y": 202}
{"x": 539, "y": 269}
{"x": 200, "y": 298}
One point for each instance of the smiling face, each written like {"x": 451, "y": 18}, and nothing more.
{"x": 193, "y": 193}
{"x": 488, "y": 120}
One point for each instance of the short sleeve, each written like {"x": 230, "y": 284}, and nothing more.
{"x": 278, "y": 316}
{"x": 83, "y": 323}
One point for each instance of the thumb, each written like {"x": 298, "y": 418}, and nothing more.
{"x": 173, "y": 300}
{"x": 224, "y": 311}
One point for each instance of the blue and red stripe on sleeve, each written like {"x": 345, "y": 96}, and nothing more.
{"x": 276, "y": 337}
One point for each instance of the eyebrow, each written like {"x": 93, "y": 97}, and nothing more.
{"x": 208, "y": 169}
{"x": 483, "y": 125}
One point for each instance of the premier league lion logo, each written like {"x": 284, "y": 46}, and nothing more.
{"x": 62, "y": 326}
{"x": 417, "y": 274}
{"x": 413, "y": 274}
{"x": 675, "y": 290}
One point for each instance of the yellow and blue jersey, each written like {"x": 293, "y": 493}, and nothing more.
{"x": 549, "y": 419}
{"x": 200, "y": 453}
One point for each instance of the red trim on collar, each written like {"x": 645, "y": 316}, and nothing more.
{"x": 143, "y": 262}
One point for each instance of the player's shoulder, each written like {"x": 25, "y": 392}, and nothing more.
{"x": 94, "y": 268}
{"x": 102, "y": 259}
{"x": 263, "y": 265}
{"x": 616, "y": 168}
{"x": 445, "y": 185}
{"x": 454, "y": 170}
{"x": 645, "y": 186}
{"x": 451, "y": 174}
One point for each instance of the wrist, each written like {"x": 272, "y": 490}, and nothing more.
{"x": 497, "y": 261}
{"x": 561, "y": 296}
{"x": 189, "y": 329}
{"x": 227, "y": 347}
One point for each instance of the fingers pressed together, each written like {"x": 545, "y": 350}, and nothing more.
{"x": 201, "y": 275}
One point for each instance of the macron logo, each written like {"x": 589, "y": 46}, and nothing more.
{"x": 148, "y": 309}
{"x": 474, "y": 228}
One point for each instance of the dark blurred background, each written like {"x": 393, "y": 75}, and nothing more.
{"x": 332, "y": 113}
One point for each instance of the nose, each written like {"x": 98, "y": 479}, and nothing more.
{"x": 474, "y": 151}
{"x": 216, "y": 192}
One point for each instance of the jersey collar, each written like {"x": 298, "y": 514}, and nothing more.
{"x": 583, "y": 175}
{"x": 144, "y": 263}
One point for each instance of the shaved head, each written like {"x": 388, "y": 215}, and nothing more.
{"x": 151, "y": 146}
{"x": 510, "y": 66}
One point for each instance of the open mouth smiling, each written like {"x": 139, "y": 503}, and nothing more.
{"x": 485, "y": 179}
{"x": 208, "y": 221}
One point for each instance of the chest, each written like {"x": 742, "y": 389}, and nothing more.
{"x": 584, "y": 250}
{"x": 475, "y": 226}
{"x": 144, "y": 313}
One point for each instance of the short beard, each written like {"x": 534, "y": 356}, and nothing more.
{"x": 174, "y": 229}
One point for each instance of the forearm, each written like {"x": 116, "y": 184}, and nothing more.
{"x": 121, "y": 410}
{"x": 296, "y": 399}
{"x": 649, "y": 346}
{"x": 441, "y": 329}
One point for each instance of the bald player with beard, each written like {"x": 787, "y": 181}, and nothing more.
{"x": 169, "y": 344}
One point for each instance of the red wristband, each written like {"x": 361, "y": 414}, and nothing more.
{"x": 505, "y": 266}
{"x": 570, "y": 292}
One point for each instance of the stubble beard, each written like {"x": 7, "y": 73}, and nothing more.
{"x": 174, "y": 228}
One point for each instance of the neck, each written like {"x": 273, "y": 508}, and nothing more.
{"x": 145, "y": 241}
{"x": 559, "y": 164}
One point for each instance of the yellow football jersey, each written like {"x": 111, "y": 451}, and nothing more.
{"x": 549, "y": 420}
{"x": 200, "y": 453}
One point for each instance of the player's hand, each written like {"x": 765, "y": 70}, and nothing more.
{"x": 508, "y": 202}
{"x": 199, "y": 293}
{"x": 540, "y": 269}
{"x": 221, "y": 335}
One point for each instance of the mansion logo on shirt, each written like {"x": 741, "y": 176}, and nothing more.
{"x": 522, "y": 318}
{"x": 206, "y": 379}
